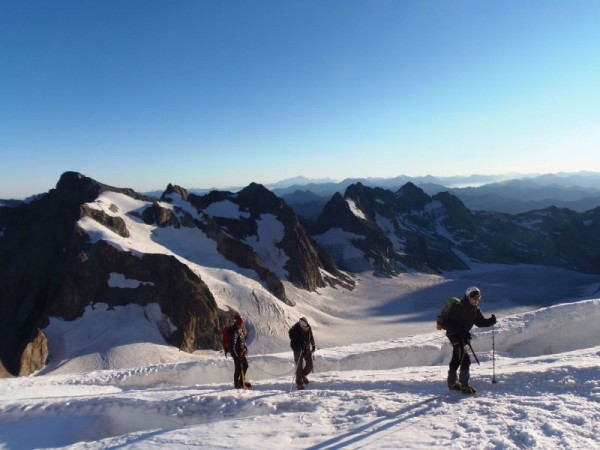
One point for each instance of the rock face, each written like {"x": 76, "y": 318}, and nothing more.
{"x": 52, "y": 266}
{"x": 409, "y": 230}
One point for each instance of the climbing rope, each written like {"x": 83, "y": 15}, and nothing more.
{"x": 255, "y": 366}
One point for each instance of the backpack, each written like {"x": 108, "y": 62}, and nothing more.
{"x": 227, "y": 338}
{"x": 441, "y": 318}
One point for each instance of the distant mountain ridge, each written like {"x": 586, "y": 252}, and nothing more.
{"x": 197, "y": 256}
{"x": 500, "y": 193}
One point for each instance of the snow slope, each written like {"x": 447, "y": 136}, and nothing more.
{"x": 387, "y": 394}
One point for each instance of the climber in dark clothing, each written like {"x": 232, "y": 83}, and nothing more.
{"x": 239, "y": 352}
{"x": 459, "y": 321}
{"x": 302, "y": 343}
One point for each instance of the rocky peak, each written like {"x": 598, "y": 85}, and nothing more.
{"x": 458, "y": 215}
{"x": 411, "y": 198}
{"x": 337, "y": 214}
{"x": 258, "y": 199}
{"x": 78, "y": 188}
{"x": 174, "y": 189}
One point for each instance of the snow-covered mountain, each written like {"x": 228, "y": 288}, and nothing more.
{"x": 199, "y": 257}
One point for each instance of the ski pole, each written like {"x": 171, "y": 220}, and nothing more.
{"x": 297, "y": 366}
{"x": 493, "y": 357}
{"x": 473, "y": 351}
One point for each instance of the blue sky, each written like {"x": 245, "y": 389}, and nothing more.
{"x": 215, "y": 94}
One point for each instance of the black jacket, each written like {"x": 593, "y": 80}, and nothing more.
{"x": 462, "y": 317}
{"x": 301, "y": 340}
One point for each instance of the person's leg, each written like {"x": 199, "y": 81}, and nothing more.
{"x": 299, "y": 368}
{"x": 245, "y": 370}
{"x": 308, "y": 364}
{"x": 308, "y": 367}
{"x": 237, "y": 373}
{"x": 464, "y": 373}
{"x": 457, "y": 352}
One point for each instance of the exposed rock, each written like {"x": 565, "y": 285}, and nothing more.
{"x": 174, "y": 189}
{"x": 113, "y": 223}
{"x": 35, "y": 355}
{"x": 159, "y": 216}
{"x": 411, "y": 198}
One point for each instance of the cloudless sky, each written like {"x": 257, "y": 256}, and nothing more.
{"x": 142, "y": 93}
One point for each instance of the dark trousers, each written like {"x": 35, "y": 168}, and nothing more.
{"x": 241, "y": 367}
{"x": 304, "y": 365}
{"x": 460, "y": 359}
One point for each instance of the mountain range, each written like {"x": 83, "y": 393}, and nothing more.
{"x": 508, "y": 193}
{"x": 197, "y": 254}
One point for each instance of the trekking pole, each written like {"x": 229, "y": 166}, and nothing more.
{"x": 296, "y": 371}
{"x": 493, "y": 357}
{"x": 473, "y": 351}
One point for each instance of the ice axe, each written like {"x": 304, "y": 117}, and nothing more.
{"x": 473, "y": 351}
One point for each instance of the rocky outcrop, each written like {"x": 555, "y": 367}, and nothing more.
{"x": 35, "y": 355}
{"x": 113, "y": 223}
{"x": 162, "y": 217}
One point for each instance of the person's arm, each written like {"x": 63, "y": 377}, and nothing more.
{"x": 481, "y": 321}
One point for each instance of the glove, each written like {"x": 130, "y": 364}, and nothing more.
{"x": 312, "y": 349}
{"x": 493, "y": 319}
{"x": 466, "y": 338}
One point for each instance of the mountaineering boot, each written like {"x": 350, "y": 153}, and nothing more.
{"x": 300, "y": 387}
{"x": 456, "y": 387}
{"x": 466, "y": 389}
{"x": 247, "y": 385}
{"x": 452, "y": 379}
{"x": 305, "y": 380}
